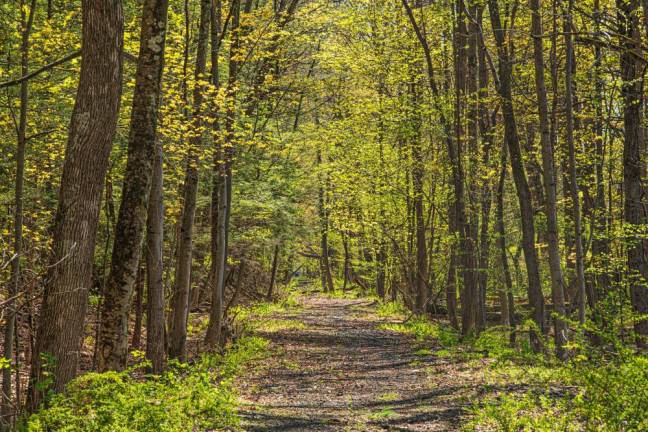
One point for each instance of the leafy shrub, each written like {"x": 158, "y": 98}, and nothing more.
{"x": 615, "y": 396}
{"x": 186, "y": 398}
{"x": 527, "y": 412}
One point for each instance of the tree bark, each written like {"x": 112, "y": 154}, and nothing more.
{"x": 273, "y": 272}
{"x": 469, "y": 291}
{"x": 182, "y": 288}
{"x": 139, "y": 311}
{"x": 222, "y": 192}
{"x": 633, "y": 165}
{"x": 129, "y": 232}
{"x": 549, "y": 177}
{"x": 7, "y": 417}
{"x": 155, "y": 301}
{"x": 92, "y": 130}
{"x": 534, "y": 289}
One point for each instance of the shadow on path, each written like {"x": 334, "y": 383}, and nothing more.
{"x": 342, "y": 373}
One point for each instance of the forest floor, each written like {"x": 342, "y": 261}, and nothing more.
{"x": 332, "y": 367}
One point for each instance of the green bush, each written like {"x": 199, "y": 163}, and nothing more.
{"x": 524, "y": 413}
{"x": 615, "y": 396}
{"x": 186, "y": 398}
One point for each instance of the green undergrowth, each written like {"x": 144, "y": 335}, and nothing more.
{"x": 423, "y": 330}
{"x": 188, "y": 397}
{"x": 600, "y": 389}
{"x": 596, "y": 390}
{"x": 260, "y": 315}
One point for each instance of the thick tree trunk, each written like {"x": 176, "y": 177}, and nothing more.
{"x": 549, "y": 177}
{"x": 129, "y": 233}
{"x": 155, "y": 301}
{"x": 182, "y": 288}
{"x": 92, "y": 129}
{"x": 469, "y": 292}
{"x": 633, "y": 166}
{"x": 536, "y": 299}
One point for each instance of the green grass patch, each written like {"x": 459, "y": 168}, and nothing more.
{"x": 274, "y": 325}
{"x": 383, "y": 414}
{"x": 187, "y": 397}
{"x": 389, "y": 397}
{"x": 392, "y": 310}
{"x": 423, "y": 352}
{"x": 423, "y": 329}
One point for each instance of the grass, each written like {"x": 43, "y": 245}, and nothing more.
{"x": 423, "y": 330}
{"x": 197, "y": 396}
{"x": 384, "y": 414}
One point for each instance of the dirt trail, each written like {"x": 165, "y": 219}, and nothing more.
{"x": 340, "y": 372}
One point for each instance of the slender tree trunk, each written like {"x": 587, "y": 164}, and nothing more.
{"x": 536, "y": 299}
{"x": 573, "y": 186}
{"x": 155, "y": 301}
{"x": 129, "y": 232}
{"x": 633, "y": 166}
{"x": 92, "y": 129}
{"x": 549, "y": 177}
{"x": 182, "y": 288}
{"x": 8, "y": 413}
{"x": 457, "y": 216}
{"x": 347, "y": 268}
{"x": 505, "y": 293}
{"x": 222, "y": 192}
{"x": 501, "y": 242}
{"x": 486, "y": 126}
{"x": 600, "y": 243}
{"x": 325, "y": 266}
{"x": 273, "y": 272}
{"x": 469, "y": 292}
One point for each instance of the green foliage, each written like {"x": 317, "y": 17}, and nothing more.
{"x": 603, "y": 395}
{"x": 423, "y": 329}
{"x": 529, "y": 413}
{"x": 187, "y": 397}
{"x": 391, "y": 310}
{"x": 615, "y": 396}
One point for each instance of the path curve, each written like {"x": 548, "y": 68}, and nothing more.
{"x": 337, "y": 371}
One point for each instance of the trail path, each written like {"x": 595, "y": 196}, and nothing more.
{"x": 340, "y": 372}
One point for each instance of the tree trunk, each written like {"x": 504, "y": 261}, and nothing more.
{"x": 600, "y": 242}
{"x": 573, "y": 184}
{"x": 139, "y": 310}
{"x": 7, "y": 417}
{"x": 155, "y": 301}
{"x": 92, "y": 130}
{"x": 182, "y": 288}
{"x": 273, "y": 273}
{"x": 633, "y": 166}
{"x": 536, "y": 300}
{"x": 222, "y": 185}
{"x": 129, "y": 232}
{"x": 549, "y": 177}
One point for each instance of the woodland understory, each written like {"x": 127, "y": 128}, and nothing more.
{"x": 214, "y": 210}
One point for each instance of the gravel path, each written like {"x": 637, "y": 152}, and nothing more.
{"x": 337, "y": 371}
